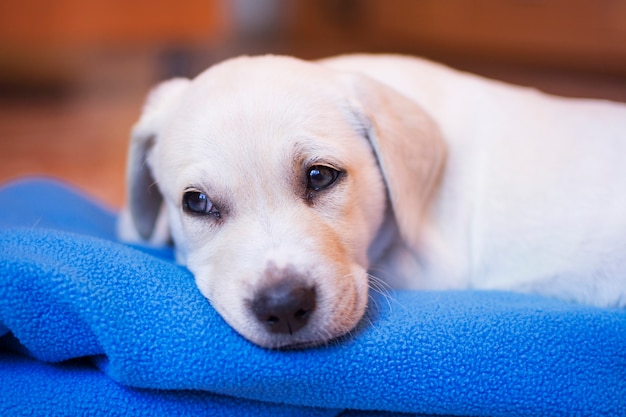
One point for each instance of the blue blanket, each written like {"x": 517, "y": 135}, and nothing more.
{"x": 91, "y": 326}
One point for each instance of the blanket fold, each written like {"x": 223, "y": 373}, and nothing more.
{"x": 80, "y": 308}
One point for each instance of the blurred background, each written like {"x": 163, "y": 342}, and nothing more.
{"x": 73, "y": 73}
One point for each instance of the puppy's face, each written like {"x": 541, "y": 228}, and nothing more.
{"x": 269, "y": 179}
{"x": 273, "y": 196}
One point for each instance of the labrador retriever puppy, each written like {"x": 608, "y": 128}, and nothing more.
{"x": 288, "y": 186}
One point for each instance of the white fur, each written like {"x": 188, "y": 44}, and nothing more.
{"x": 489, "y": 185}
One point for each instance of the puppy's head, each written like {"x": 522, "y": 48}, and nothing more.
{"x": 272, "y": 177}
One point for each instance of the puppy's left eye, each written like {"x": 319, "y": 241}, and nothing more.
{"x": 320, "y": 177}
{"x": 198, "y": 203}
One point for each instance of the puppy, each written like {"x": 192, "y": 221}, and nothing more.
{"x": 281, "y": 182}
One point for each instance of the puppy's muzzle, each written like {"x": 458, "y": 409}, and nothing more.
{"x": 284, "y": 307}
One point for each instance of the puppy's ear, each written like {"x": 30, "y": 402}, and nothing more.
{"x": 143, "y": 218}
{"x": 410, "y": 149}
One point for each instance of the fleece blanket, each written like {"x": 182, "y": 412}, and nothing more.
{"x": 91, "y": 326}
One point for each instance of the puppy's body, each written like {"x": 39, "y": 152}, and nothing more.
{"x": 433, "y": 178}
{"x": 533, "y": 197}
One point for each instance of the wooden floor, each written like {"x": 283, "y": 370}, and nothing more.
{"x": 82, "y": 138}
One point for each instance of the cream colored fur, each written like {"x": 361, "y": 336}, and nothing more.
{"x": 448, "y": 181}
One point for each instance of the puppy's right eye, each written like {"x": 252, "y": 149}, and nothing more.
{"x": 197, "y": 202}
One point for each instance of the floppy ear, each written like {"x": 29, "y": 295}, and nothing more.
{"x": 143, "y": 219}
{"x": 408, "y": 144}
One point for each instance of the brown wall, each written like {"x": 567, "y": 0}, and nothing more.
{"x": 63, "y": 23}
{"x": 588, "y": 35}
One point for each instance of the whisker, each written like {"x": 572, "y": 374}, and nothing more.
{"x": 153, "y": 185}
{"x": 381, "y": 287}
{"x": 35, "y": 224}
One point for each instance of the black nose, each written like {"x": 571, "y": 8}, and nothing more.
{"x": 284, "y": 307}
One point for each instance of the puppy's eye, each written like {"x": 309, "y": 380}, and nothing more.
{"x": 198, "y": 203}
{"x": 320, "y": 177}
